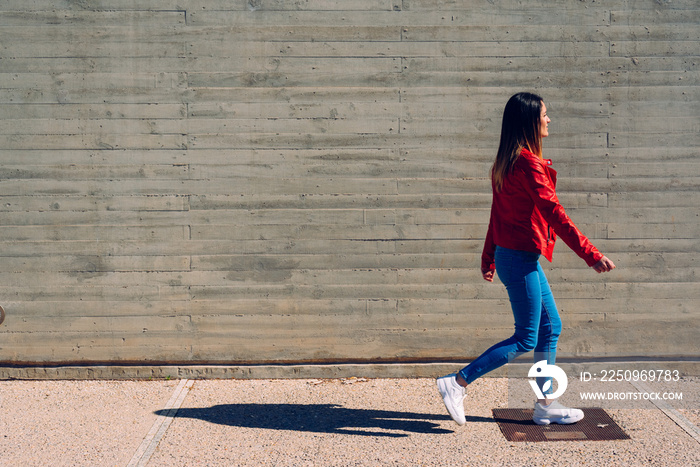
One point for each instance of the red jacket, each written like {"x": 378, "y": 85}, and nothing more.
{"x": 526, "y": 215}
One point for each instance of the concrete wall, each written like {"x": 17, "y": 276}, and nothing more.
{"x": 268, "y": 181}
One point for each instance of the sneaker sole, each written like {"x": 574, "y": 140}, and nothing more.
{"x": 547, "y": 421}
{"x": 443, "y": 391}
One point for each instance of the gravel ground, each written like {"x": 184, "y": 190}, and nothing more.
{"x": 76, "y": 422}
{"x": 303, "y": 422}
{"x": 387, "y": 422}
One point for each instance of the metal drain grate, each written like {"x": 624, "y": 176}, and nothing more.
{"x": 517, "y": 425}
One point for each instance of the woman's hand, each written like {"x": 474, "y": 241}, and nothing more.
{"x": 488, "y": 275}
{"x": 604, "y": 265}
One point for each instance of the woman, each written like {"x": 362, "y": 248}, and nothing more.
{"x": 525, "y": 218}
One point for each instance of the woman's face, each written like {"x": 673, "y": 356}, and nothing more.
{"x": 544, "y": 121}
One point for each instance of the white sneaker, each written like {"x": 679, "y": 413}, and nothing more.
{"x": 555, "y": 413}
{"x": 453, "y": 396}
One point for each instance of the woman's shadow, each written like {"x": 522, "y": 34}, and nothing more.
{"x": 319, "y": 418}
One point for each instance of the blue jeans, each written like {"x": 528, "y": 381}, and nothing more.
{"x": 537, "y": 322}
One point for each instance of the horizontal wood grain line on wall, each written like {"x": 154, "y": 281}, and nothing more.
{"x": 335, "y": 313}
{"x": 671, "y": 108}
{"x": 105, "y": 65}
{"x": 83, "y": 267}
{"x": 348, "y": 216}
{"x": 308, "y": 326}
{"x": 652, "y": 140}
{"x": 285, "y": 110}
{"x": 124, "y": 325}
{"x": 644, "y": 68}
{"x": 112, "y": 98}
{"x": 285, "y": 171}
{"x": 233, "y": 5}
{"x": 565, "y": 184}
{"x": 422, "y": 321}
{"x": 654, "y": 124}
{"x": 443, "y": 98}
{"x": 269, "y": 32}
{"x": 136, "y": 203}
{"x": 459, "y": 108}
{"x": 433, "y": 139}
{"x": 93, "y": 232}
{"x": 308, "y": 186}
{"x": 168, "y": 127}
{"x": 650, "y": 169}
{"x": 458, "y": 5}
{"x": 320, "y": 269}
{"x": 446, "y": 105}
{"x": 80, "y": 269}
{"x": 34, "y": 205}
{"x": 94, "y": 141}
{"x": 272, "y": 185}
{"x": 466, "y": 200}
{"x": 68, "y": 294}
{"x": 354, "y": 253}
{"x": 91, "y": 19}
{"x": 88, "y": 111}
{"x": 581, "y": 305}
{"x": 468, "y": 122}
{"x": 429, "y": 93}
{"x": 535, "y": 17}
{"x": 246, "y": 312}
{"x": 78, "y": 49}
{"x": 652, "y": 230}
{"x": 495, "y": 63}
{"x": 334, "y": 232}
{"x": 682, "y": 215}
{"x": 382, "y": 123}
{"x": 631, "y": 96}
{"x": 655, "y": 48}
{"x": 398, "y": 78}
{"x": 631, "y": 200}
{"x": 263, "y": 6}
{"x": 493, "y": 95}
{"x": 86, "y": 203}
{"x": 399, "y": 169}
{"x": 295, "y": 65}
{"x": 627, "y": 16}
{"x": 565, "y": 158}
{"x": 201, "y": 232}
{"x": 483, "y": 50}
{"x": 362, "y": 33}
{"x": 95, "y": 172}
{"x": 86, "y": 257}
{"x": 563, "y": 33}
{"x": 107, "y": 82}
{"x": 157, "y": 96}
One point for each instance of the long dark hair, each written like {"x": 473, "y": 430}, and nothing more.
{"x": 520, "y": 129}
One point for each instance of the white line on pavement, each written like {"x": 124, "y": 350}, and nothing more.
{"x": 160, "y": 426}
{"x": 672, "y": 413}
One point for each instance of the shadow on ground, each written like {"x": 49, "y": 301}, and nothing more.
{"x": 320, "y": 418}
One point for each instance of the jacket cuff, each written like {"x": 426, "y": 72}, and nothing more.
{"x": 592, "y": 260}
{"x": 487, "y": 266}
